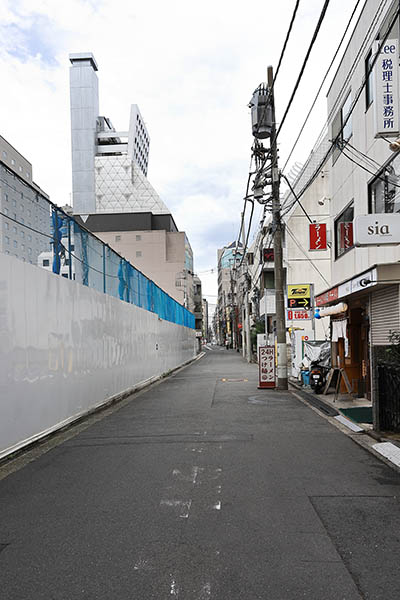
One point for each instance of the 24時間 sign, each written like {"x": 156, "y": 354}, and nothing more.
{"x": 386, "y": 89}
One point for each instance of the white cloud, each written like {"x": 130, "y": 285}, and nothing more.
{"x": 190, "y": 66}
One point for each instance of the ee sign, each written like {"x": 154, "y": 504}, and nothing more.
{"x": 299, "y": 296}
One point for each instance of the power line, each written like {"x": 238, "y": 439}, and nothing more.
{"x": 296, "y": 198}
{"x": 322, "y": 83}
{"x": 313, "y": 39}
{"x": 270, "y": 91}
{"x": 367, "y": 170}
{"x": 345, "y": 84}
{"x": 299, "y": 77}
{"x": 352, "y": 107}
{"x": 290, "y": 232}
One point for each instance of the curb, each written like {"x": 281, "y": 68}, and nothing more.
{"x": 65, "y": 426}
{"x": 363, "y": 438}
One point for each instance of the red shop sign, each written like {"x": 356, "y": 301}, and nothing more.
{"x": 318, "y": 236}
{"x": 327, "y": 297}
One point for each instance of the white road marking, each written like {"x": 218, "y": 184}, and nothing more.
{"x": 205, "y": 592}
{"x": 349, "y": 424}
{"x": 183, "y": 505}
{"x": 174, "y": 587}
{"x": 389, "y": 451}
{"x": 192, "y": 477}
{"x": 217, "y": 505}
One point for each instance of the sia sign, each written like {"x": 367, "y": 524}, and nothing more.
{"x": 379, "y": 228}
{"x": 386, "y": 89}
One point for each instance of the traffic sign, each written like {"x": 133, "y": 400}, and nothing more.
{"x": 303, "y": 303}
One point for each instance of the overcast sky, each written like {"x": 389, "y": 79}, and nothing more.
{"x": 191, "y": 67}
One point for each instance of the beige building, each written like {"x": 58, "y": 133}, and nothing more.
{"x": 153, "y": 244}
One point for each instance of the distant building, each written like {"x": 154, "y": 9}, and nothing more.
{"x": 24, "y": 208}
{"x": 111, "y": 192}
{"x": 109, "y": 167}
{"x": 154, "y": 245}
{"x": 229, "y": 257}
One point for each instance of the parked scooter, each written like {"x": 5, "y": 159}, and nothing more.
{"x": 317, "y": 377}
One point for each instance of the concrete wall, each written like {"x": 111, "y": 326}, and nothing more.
{"x": 65, "y": 349}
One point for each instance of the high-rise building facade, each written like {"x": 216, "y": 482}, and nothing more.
{"x": 24, "y": 208}
{"x": 111, "y": 192}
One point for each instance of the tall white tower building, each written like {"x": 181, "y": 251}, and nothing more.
{"x": 109, "y": 167}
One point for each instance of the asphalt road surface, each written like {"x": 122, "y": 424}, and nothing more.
{"x": 202, "y": 487}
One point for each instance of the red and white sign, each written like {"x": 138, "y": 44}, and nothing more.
{"x": 318, "y": 239}
{"x": 346, "y": 235}
{"x": 297, "y": 315}
{"x": 266, "y": 367}
{"x": 326, "y": 297}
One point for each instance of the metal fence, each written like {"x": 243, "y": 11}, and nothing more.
{"x": 389, "y": 396}
{"x": 68, "y": 249}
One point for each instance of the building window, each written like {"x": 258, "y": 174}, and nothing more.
{"x": 383, "y": 192}
{"x": 344, "y": 231}
{"x": 5, "y": 210}
{"x": 6, "y": 226}
{"x": 15, "y": 244}
{"x": 14, "y": 202}
{"x": 4, "y": 154}
{"x": 46, "y": 262}
{"x": 29, "y": 250}
{"x": 369, "y": 90}
{"x": 117, "y": 238}
{"x": 138, "y": 253}
{"x": 138, "y": 238}
{"x": 23, "y": 247}
{"x": 341, "y": 132}
{"x": 14, "y": 229}
{"x": 22, "y": 234}
{"x": 20, "y": 169}
{"x": 6, "y": 197}
{"x": 7, "y": 240}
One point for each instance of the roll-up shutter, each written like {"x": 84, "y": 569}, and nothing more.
{"x": 384, "y": 314}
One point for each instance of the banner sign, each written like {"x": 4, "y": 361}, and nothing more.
{"x": 346, "y": 235}
{"x": 318, "y": 239}
{"x": 268, "y": 255}
{"x": 298, "y": 315}
{"x": 266, "y": 367}
{"x": 299, "y": 296}
{"x": 386, "y": 89}
{"x": 326, "y": 297}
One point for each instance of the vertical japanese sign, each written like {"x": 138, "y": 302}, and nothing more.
{"x": 266, "y": 367}
{"x": 317, "y": 236}
{"x": 386, "y": 89}
{"x": 346, "y": 235}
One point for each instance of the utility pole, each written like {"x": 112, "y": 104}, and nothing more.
{"x": 282, "y": 383}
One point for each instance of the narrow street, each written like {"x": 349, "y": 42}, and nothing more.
{"x": 202, "y": 487}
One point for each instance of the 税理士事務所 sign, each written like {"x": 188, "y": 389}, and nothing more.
{"x": 386, "y": 88}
